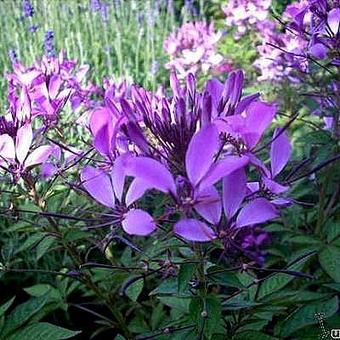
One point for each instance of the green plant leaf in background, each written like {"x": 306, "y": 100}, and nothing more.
{"x": 306, "y": 315}
{"x": 135, "y": 289}
{"x": 43, "y": 331}
{"x": 185, "y": 274}
{"x": 330, "y": 261}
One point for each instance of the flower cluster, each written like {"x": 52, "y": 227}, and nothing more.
{"x": 39, "y": 91}
{"x": 18, "y": 145}
{"x": 195, "y": 148}
{"x": 280, "y": 54}
{"x": 318, "y": 23}
{"x": 192, "y": 48}
{"x": 246, "y": 15}
{"x": 49, "y": 84}
{"x": 312, "y": 32}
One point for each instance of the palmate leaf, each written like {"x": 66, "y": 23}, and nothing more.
{"x": 43, "y": 331}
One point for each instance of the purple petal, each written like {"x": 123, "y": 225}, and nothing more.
{"x": 97, "y": 183}
{"x": 237, "y": 88}
{"x": 152, "y": 172}
{"x": 209, "y": 205}
{"x": 333, "y": 20}
{"x": 48, "y": 170}
{"x": 259, "y": 117}
{"x": 274, "y": 187}
{"x": 215, "y": 89}
{"x": 38, "y": 156}
{"x": 28, "y": 77}
{"x": 101, "y": 125}
{"x": 23, "y": 142}
{"x": 280, "y": 152}
{"x": 81, "y": 73}
{"x": 234, "y": 191}
{"x": 318, "y": 51}
{"x": 136, "y": 190}
{"x": 138, "y": 222}
{"x": 223, "y": 168}
{"x": 206, "y": 109}
{"x": 25, "y": 106}
{"x": 175, "y": 85}
{"x": 54, "y": 86}
{"x": 137, "y": 137}
{"x": 258, "y": 211}
{"x": 282, "y": 202}
{"x": 258, "y": 164}
{"x": 194, "y": 230}
{"x": 118, "y": 175}
{"x": 245, "y": 102}
{"x": 253, "y": 187}
{"x": 199, "y": 157}
{"x": 7, "y": 148}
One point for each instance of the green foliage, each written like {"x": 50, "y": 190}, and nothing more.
{"x": 60, "y": 274}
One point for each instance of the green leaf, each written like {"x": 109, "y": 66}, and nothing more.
{"x": 166, "y": 287}
{"x": 42, "y": 289}
{"x": 186, "y": 272}
{"x": 157, "y": 316}
{"x": 254, "y": 326}
{"x": 30, "y": 242}
{"x": 22, "y": 313}
{"x": 335, "y": 286}
{"x": 305, "y": 315}
{"x": 208, "y": 314}
{"x": 134, "y": 289}
{"x": 228, "y": 279}
{"x": 181, "y": 304}
{"x": 278, "y": 281}
{"x": 302, "y": 239}
{"x": 332, "y": 231}
{"x": 43, "y": 331}
{"x": 44, "y": 246}
{"x": 75, "y": 235}
{"x": 329, "y": 259}
{"x": 252, "y": 335}
{"x": 6, "y": 305}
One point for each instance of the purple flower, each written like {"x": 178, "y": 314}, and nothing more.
{"x": 17, "y": 155}
{"x": 184, "y": 146}
{"x": 317, "y": 22}
{"x": 49, "y": 44}
{"x": 192, "y": 48}
{"x": 280, "y": 54}
{"x": 27, "y": 8}
{"x": 33, "y": 28}
{"x": 245, "y": 15}
{"x": 99, "y": 185}
{"x": 96, "y": 5}
{"x": 13, "y": 56}
{"x": 49, "y": 83}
